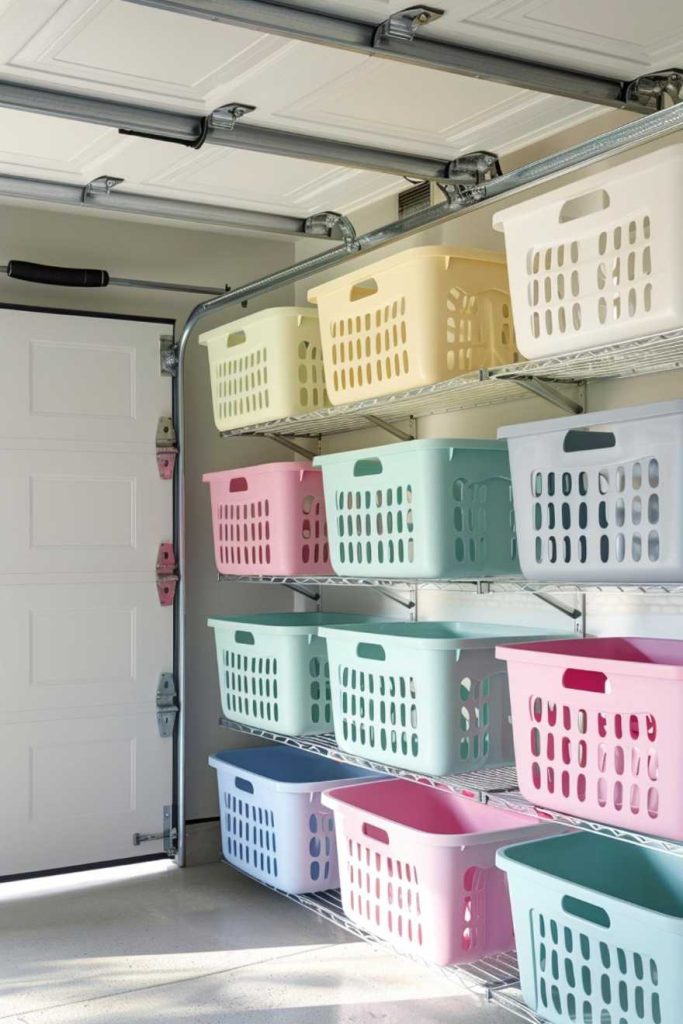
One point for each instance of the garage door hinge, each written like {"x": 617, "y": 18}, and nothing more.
{"x": 168, "y": 355}
{"x": 167, "y": 450}
{"x": 168, "y": 834}
{"x": 403, "y": 25}
{"x": 167, "y": 573}
{"x": 167, "y": 704}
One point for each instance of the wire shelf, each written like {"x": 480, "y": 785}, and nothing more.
{"x": 494, "y": 585}
{"x": 637, "y": 357}
{"x": 494, "y": 779}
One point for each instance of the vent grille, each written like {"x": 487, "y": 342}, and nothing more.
{"x": 414, "y": 199}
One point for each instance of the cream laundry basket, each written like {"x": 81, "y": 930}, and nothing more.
{"x": 265, "y": 366}
{"x": 413, "y": 319}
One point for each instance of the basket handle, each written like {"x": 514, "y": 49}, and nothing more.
{"x": 236, "y": 338}
{"x": 586, "y": 680}
{"x": 238, "y": 483}
{"x": 373, "y": 652}
{"x": 586, "y": 911}
{"x": 583, "y": 440}
{"x": 243, "y": 636}
{"x": 244, "y": 784}
{"x": 584, "y": 205}
{"x": 368, "y": 467}
{"x": 363, "y": 289}
{"x": 373, "y": 832}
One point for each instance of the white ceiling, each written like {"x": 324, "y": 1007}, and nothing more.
{"x": 116, "y": 49}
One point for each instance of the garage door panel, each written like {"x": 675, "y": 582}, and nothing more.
{"x": 76, "y": 512}
{"x": 80, "y": 783}
{"x": 70, "y": 646}
{"x": 77, "y": 378}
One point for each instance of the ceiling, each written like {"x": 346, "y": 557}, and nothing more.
{"x": 119, "y": 50}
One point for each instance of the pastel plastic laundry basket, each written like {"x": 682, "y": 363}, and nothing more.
{"x": 273, "y": 670}
{"x": 599, "y": 929}
{"x": 273, "y": 824}
{"x": 600, "y": 260}
{"x": 433, "y": 509}
{"x": 412, "y": 319}
{"x": 269, "y": 520}
{"x": 266, "y": 366}
{"x": 599, "y": 498}
{"x": 427, "y": 696}
{"x": 417, "y": 868}
{"x": 597, "y": 728}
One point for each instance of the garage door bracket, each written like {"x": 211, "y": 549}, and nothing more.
{"x": 657, "y": 90}
{"x": 404, "y": 24}
{"x": 166, "y": 445}
{"x": 167, "y": 574}
{"x": 167, "y": 704}
{"x": 168, "y": 356}
{"x": 169, "y": 834}
{"x": 101, "y": 186}
{"x": 470, "y": 172}
{"x": 332, "y": 225}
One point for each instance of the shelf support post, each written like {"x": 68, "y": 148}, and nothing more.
{"x": 544, "y": 390}
{"x": 287, "y": 442}
{"x": 391, "y": 428}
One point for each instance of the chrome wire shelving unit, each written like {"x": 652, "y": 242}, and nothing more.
{"x": 556, "y": 378}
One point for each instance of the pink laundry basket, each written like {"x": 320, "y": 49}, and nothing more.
{"x": 417, "y": 867}
{"x": 269, "y": 520}
{"x": 598, "y": 728}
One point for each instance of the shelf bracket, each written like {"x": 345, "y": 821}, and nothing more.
{"x": 312, "y": 595}
{"x": 572, "y": 613}
{"x": 287, "y": 442}
{"x": 543, "y": 390}
{"x": 656, "y": 91}
{"x": 404, "y": 24}
{"x": 408, "y": 603}
{"x": 391, "y": 428}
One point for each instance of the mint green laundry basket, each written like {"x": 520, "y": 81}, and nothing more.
{"x": 427, "y": 696}
{"x": 436, "y": 509}
{"x": 599, "y": 929}
{"x": 273, "y": 670}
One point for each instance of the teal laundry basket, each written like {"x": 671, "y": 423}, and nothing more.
{"x": 436, "y": 509}
{"x": 273, "y": 670}
{"x": 427, "y": 696}
{"x": 599, "y": 929}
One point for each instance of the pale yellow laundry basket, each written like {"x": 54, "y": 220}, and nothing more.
{"x": 412, "y": 319}
{"x": 265, "y": 366}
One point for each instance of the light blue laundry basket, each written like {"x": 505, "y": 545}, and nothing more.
{"x": 427, "y": 696}
{"x": 599, "y": 929}
{"x": 273, "y": 824}
{"x": 432, "y": 509}
{"x": 273, "y": 670}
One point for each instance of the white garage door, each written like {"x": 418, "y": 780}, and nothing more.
{"x": 83, "y": 637}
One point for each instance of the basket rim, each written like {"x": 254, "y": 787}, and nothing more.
{"x": 233, "y": 326}
{"x": 382, "y": 452}
{"x": 265, "y": 467}
{"x": 647, "y": 411}
{"x": 405, "y": 256}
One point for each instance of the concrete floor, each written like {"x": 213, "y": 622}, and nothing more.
{"x": 203, "y": 945}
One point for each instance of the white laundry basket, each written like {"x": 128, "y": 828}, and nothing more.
{"x": 600, "y": 260}
{"x": 265, "y": 366}
{"x": 599, "y": 497}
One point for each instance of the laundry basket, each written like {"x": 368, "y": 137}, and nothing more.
{"x": 597, "y": 727}
{"x": 273, "y": 824}
{"x": 433, "y": 509}
{"x": 599, "y": 929}
{"x": 417, "y": 867}
{"x": 427, "y": 696}
{"x": 412, "y": 319}
{"x": 269, "y": 520}
{"x": 273, "y": 670}
{"x": 599, "y": 260}
{"x": 265, "y": 366}
{"x": 599, "y": 497}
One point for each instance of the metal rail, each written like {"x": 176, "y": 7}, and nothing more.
{"x": 648, "y": 128}
{"x": 398, "y": 39}
{"x": 223, "y": 128}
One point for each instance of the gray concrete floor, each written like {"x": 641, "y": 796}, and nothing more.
{"x": 203, "y": 945}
